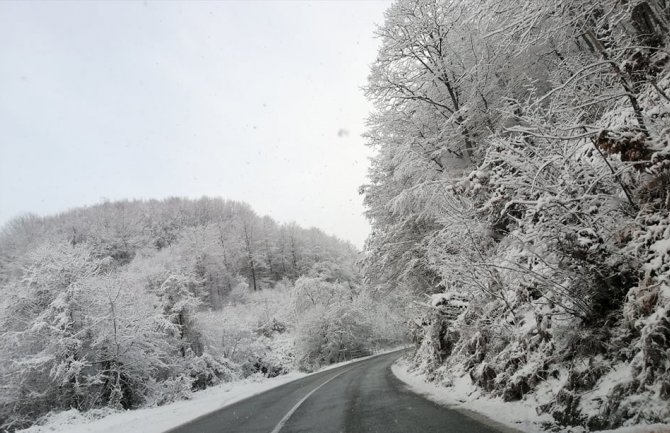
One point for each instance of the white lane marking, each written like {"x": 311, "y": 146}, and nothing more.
{"x": 283, "y": 421}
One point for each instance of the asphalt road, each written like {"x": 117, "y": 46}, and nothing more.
{"x": 356, "y": 398}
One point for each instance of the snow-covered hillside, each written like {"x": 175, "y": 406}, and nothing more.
{"x": 139, "y": 304}
{"x": 522, "y": 180}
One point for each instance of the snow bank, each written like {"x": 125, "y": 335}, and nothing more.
{"x": 464, "y": 396}
{"x": 651, "y": 428}
{"x": 162, "y": 418}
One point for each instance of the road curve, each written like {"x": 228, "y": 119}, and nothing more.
{"x": 357, "y": 398}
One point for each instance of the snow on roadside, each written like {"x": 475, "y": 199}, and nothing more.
{"x": 162, "y": 418}
{"x": 517, "y": 416}
{"x": 463, "y": 396}
{"x": 650, "y": 428}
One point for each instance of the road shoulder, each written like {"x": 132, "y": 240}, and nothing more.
{"x": 490, "y": 412}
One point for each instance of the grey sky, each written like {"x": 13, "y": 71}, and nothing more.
{"x": 253, "y": 101}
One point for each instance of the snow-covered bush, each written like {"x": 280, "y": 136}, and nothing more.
{"x": 329, "y": 334}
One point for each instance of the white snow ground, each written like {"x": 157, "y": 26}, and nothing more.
{"x": 162, "y": 418}
{"x": 506, "y": 416}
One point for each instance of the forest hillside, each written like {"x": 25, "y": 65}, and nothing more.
{"x": 139, "y": 303}
{"x": 521, "y": 181}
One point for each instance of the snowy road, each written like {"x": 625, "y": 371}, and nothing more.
{"x": 355, "y": 398}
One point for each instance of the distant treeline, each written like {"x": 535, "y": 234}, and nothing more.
{"x": 228, "y": 240}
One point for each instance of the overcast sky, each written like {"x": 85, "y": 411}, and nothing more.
{"x": 253, "y": 101}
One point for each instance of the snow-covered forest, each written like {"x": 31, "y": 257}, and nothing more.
{"x": 522, "y": 180}
{"x": 139, "y": 303}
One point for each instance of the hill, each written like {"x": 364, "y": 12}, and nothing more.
{"x": 135, "y": 303}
